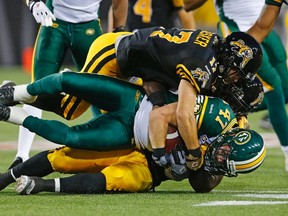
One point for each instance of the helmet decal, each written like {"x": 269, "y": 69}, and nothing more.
{"x": 258, "y": 100}
{"x": 242, "y": 137}
{"x": 201, "y": 75}
{"x": 242, "y": 51}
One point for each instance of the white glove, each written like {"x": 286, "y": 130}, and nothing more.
{"x": 41, "y": 13}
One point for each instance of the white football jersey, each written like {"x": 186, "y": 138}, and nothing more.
{"x": 244, "y": 13}
{"x": 141, "y": 124}
{"x": 76, "y": 11}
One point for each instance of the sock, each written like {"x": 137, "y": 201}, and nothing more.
{"x": 84, "y": 183}
{"x": 21, "y": 94}
{"x": 17, "y": 115}
{"x": 38, "y": 165}
{"x": 25, "y": 138}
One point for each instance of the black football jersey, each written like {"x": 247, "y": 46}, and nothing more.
{"x": 169, "y": 55}
{"x": 145, "y": 14}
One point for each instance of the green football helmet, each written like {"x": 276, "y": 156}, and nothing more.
{"x": 237, "y": 151}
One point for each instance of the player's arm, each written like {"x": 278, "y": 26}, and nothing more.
{"x": 159, "y": 119}
{"x": 265, "y": 22}
{"x": 186, "y": 123}
{"x": 187, "y": 19}
{"x": 119, "y": 12}
{"x": 193, "y": 4}
{"x": 41, "y": 12}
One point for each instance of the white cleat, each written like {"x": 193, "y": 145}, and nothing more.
{"x": 24, "y": 185}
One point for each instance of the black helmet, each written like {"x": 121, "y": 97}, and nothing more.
{"x": 239, "y": 51}
{"x": 243, "y": 97}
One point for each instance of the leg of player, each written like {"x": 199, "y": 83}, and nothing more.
{"x": 25, "y": 138}
{"x": 82, "y": 183}
{"x": 37, "y": 165}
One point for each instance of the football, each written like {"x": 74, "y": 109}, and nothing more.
{"x": 172, "y": 138}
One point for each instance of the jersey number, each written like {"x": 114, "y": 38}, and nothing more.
{"x": 226, "y": 115}
{"x": 183, "y": 36}
{"x": 143, "y": 8}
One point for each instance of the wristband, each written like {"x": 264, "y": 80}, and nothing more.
{"x": 157, "y": 98}
{"x": 159, "y": 152}
{"x": 119, "y": 29}
{"x": 195, "y": 152}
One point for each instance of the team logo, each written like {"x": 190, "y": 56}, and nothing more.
{"x": 242, "y": 137}
{"x": 90, "y": 31}
{"x": 55, "y": 25}
{"x": 243, "y": 51}
{"x": 258, "y": 100}
{"x": 200, "y": 75}
{"x": 197, "y": 108}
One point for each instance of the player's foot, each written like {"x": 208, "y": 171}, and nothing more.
{"x": 6, "y": 179}
{"x": 6, "y": 93}
{"x": 4, "y": 112}
{"x": 265, "y": 123}
{"x": 29, "y": 185}
{"x": 17, "y": 161}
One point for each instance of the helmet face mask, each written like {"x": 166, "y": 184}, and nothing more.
{"x": 245, "y": 153}
{"x": 243, "y": 97}
{"x": 242, "y": 52}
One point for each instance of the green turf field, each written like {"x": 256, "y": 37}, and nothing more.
{"x": 263, "y": 192}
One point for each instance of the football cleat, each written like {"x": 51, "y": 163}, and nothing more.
{"x": 4, "y": 113}
{"x": 6, "y": 179}
{"x": 7, "y": 93}
{"x": 28, "y": 185}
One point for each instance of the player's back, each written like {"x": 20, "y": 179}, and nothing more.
{"x": 144, "y": 14}
{"x": 213, "y": 116}
{"x": 156, "y": 52}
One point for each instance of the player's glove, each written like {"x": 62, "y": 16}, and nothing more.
{"x": 40, "y": 12}
{"x": 178, "y": 170}
{"x": 243, "y": 122}
{"x": 160, "y": 157}
{"x": 194, "y": 159}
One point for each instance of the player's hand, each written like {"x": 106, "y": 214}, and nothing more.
{"x": 41, "y": 13}
{"x": 178, "y": 169}
{"x": 243, "y": 122}
{"x": 195, "y": 161}
{"x": 162, "y": 161}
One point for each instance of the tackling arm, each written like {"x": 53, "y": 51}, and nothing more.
{"x": 120, "y": 11}
{"x": 265, "y": 22}
{"x": 187, "y": 124}
{"x": 187, "y": 19}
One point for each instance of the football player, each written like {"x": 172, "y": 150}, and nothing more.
{"x": 158, "y": 13}
{"x": 273, "y": 71}
{"x": 234, "y": 152}
{"x": 65, "y": 25}
{"x": 192, "y": 61}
